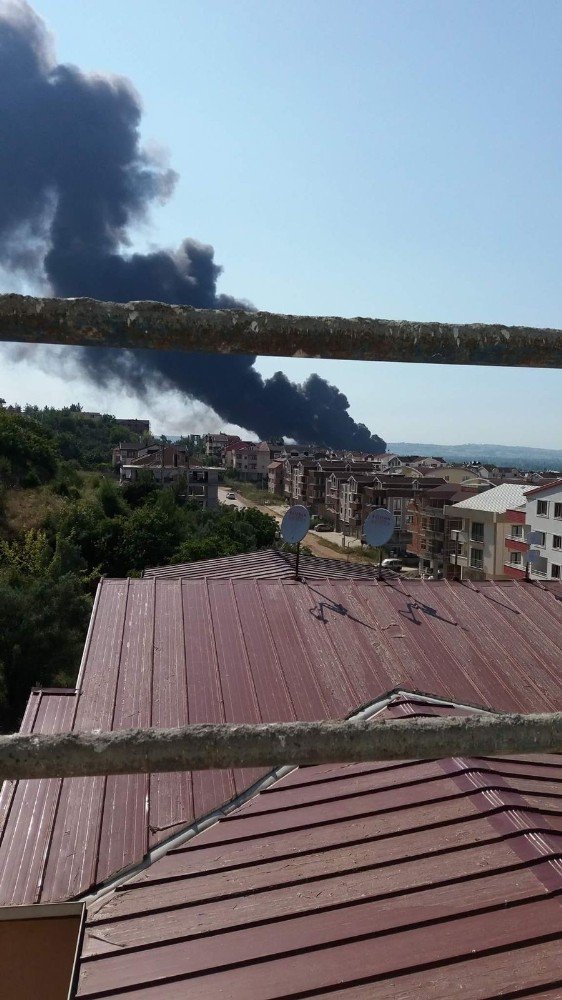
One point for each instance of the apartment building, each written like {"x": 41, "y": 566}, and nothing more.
{"x": 217, "y": 444}
{"x": 516, "y": 544}
{"x": 342, "y": 495}
{"x": 309, "y": 482}
{"x": 396, "y": 494}
{"x": 431, "y": 527}
{"x": 126, "y": 451}
{"x": 275, "y": 477}
{"x": 543, "y": 514}
{"x": 480, "y": 549}
{"x": 169, "y": 464}
{"x": 250, "y": 459}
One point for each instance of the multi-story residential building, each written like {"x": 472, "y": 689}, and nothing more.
{"x": 126, "y": 451}
{"x": 275, "y": 477}
{"x": 168, "y": 465}
{"x": 343, "y": 484}
{"x": 516, "y": 544}
{"x": 217, "y": 444}
{"x": 485, "y": 528}
{"x": 308, "y": 482}
{"x": 431, "y": 529}
{"x": 543, "y": 514}
{"x": 395, "y": 492}
{"x": 458, "y": 474}
{"x": 250, "y": 459}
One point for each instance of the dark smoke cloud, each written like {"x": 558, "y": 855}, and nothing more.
{"x": 74, "y": 179}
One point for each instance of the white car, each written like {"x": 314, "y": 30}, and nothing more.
{"x": 395, "y": 564}
{"x": 231, "y": 496}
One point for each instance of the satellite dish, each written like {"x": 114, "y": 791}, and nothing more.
{"x": 379, "y": 526}
{"x": 295, "y": 524}
{"x": 533, "y": 555}
{"x": 534, "y": 537}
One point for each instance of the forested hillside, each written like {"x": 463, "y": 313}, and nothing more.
{"x": 63, "y": 525}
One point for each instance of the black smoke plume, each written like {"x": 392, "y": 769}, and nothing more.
{"x": 74, "y": 179}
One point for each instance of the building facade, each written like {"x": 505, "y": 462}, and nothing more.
{"x": 543, "y": 515}
{"x": 486, "y": 533}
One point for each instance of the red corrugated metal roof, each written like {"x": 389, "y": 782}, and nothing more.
{"x": 410, "y": 879}
{"x": 266, "y": 564}
{"x": 178, "y": 651}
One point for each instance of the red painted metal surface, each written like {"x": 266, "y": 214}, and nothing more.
{"x": 414, "y": 879}
{"x": 170, "y": 652}
{"x": 515, "y": 516}
{"x": 266, "y": 564}
{"x": 513, "y": 573}
{"x": 515, "y": 545}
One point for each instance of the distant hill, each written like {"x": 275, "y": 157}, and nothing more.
{"x": 498, "y": 454}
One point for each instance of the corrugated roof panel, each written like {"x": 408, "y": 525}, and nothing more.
{"x": 124, "y": 827}
{"x": 396, "y": 905}
{"x": 170, "y": 795}
{"x": 498, "y": 499}
{"x": 238, "y": 691}
{"x": 266, "y": 564}
{"x": 204, "y": 693}
{"x": 28, "y": 829}
{"x": 274, "y": 700}
{"x": 250, "y": 650}
{"x": 73, "y": 858}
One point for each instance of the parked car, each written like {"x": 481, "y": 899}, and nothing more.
{"x": 395, "y": 564}
{"x": 231, "y": 496}
{"x": 322, "y": 527}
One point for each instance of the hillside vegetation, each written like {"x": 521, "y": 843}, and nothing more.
{"x": 63, "y": 525}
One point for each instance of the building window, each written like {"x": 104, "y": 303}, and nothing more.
{"x": 477, "y": 531}
{"x": 517, "y": 531}
{"x": 476, "y": 558}
{"x": 557, "y": 541}
{"x": 541, "y": 539}
{"x": 515, "y": 558}
{"x": 555, "y": 571}
{"x": 542, "y": 508}
{"x": 558, "y": 509}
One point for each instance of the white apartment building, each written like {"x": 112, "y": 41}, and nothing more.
{"x": 544, "y": 515}
{"x": 485, "y": 526}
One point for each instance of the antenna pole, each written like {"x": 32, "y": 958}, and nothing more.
{"x": 297, "y": 562}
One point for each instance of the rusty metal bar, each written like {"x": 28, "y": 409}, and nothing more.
{"x": 89, "y": 323}
{"x": 200, "y": 747}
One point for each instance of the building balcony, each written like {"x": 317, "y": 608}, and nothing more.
{"x": 516, "y": 545}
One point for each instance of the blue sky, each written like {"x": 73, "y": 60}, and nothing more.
{"x": 384, "y": 159}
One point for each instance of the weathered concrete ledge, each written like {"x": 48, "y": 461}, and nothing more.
{"x": 89, "y": 323}
{"x": 200, "y": 747}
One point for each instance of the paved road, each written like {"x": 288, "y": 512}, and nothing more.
{"x": 336, "y": 537}
{"x": 312, "y": 540}
{"x": 239, "y": 502}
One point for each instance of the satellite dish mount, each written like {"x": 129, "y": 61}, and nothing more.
{"x": 294, "y": 527}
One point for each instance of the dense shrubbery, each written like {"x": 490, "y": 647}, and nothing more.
{"x": 79, "y": 437}
{"x": 117, "y": 538}
{"x": 44, "y": 611}
{"x": 47, "y": 577}
{"x": 28, "y": 452}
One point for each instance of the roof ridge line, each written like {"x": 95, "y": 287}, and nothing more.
{"x": 221, "y": 812}
{"x": 363, "y": 713}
